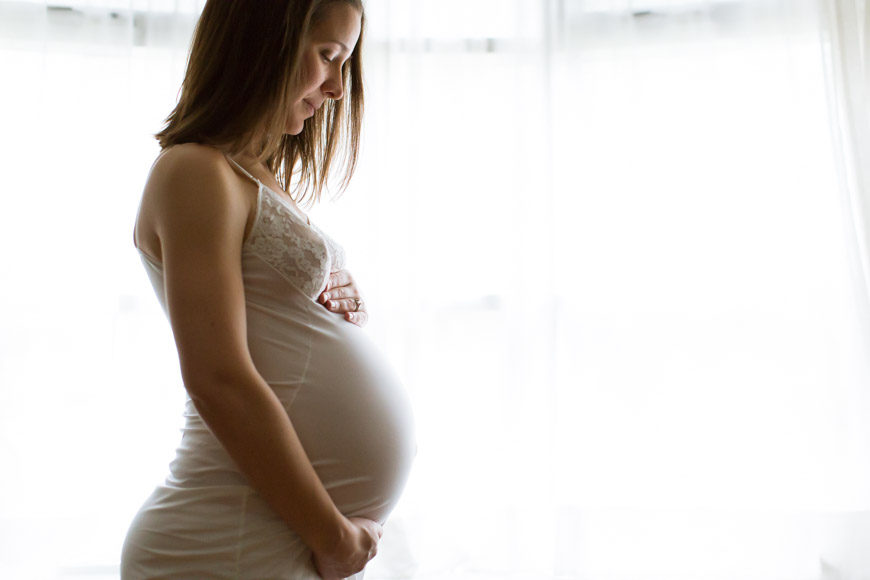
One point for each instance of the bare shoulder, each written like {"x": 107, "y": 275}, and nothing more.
{"x": 188, "y": 181}
{"x": 195, "y": 153}
{"x": 190, "y": 164}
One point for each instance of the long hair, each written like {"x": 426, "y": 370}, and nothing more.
{"x": 242, "y": 70}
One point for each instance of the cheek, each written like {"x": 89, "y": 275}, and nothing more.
{"x": 303, "y": 81}
{"x": 310, "y": 70}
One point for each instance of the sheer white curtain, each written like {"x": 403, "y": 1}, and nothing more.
{"x": 609, "y": 245}
{"x": 846, "y": 24}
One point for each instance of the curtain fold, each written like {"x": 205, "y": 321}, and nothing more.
{"x": 844, "y": 29}
{"x": 846, "y": 40}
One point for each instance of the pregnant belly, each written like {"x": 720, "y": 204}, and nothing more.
{"x": 350, "y": 410}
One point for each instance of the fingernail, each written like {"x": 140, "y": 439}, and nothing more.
{"x": 326, "y": 296}
{"x": 351, "y": 315}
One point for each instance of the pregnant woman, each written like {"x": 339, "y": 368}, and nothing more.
{"x": 298, "y": 436}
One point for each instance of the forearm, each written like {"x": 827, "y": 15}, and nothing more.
{"x": 252, "y": 425}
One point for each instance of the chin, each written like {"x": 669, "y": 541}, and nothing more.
{"x": 294, "y": 125}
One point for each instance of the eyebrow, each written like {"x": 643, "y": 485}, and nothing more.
{"x": 341, "y": 44}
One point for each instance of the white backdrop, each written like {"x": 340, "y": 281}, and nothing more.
{"x": 605, "y": 243}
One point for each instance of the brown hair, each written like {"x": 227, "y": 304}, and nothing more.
{"x": 243, "y": 65}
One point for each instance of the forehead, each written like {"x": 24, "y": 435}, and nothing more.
{"x": 339, "y": 22}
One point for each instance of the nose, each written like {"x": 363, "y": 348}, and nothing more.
{"x": 333, "y": 86}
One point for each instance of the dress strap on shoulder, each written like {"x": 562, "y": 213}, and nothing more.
{"x": 245, "y": 171}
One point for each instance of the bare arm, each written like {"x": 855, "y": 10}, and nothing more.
{"x": 200, "y": 222}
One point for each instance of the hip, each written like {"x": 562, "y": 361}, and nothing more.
{"x": 220, "y": 532}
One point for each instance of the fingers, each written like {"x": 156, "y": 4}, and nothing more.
{"x": 359, "y": 318}
{"x": 347, "y": 305}
{"x": 349, "y": 308}
{"x": 376, "y": 526}
{"x": 340, "y": 296}
{"x": 370, "y": 524}
{"x": 342, "y": 305}
{"x": 338, "y": 293}
{"x": 338, "y": 279}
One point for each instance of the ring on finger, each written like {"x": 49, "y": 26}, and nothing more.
{"x": 358, "y": 304}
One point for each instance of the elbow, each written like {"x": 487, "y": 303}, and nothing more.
{"x": 209, "y": 388}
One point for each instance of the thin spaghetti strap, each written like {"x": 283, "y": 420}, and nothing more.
{"x": 296, "y": 210}
{"x": 245, "y": 171}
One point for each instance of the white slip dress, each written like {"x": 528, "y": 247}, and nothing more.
{"x": 347, "y": 405}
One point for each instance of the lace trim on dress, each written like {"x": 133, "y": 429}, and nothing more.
{"x": 335, "y": 250}
{"x": 304, "y": 255}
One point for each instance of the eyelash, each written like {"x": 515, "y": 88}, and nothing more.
{"x": 326, "y": 59}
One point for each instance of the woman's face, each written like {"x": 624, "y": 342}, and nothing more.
{"x": 328, "y": 46}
